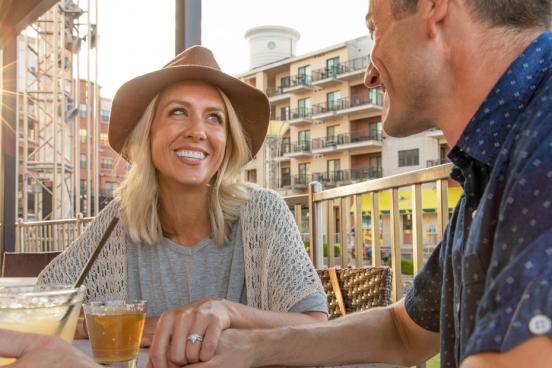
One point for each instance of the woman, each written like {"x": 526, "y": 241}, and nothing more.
{"x": 206, "y": 252}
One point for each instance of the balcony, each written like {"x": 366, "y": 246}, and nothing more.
{"x": 325, "y": 76}
{"x": 299, "y": 83}
{"x": 366, "y": 173}
{"x": 332, "y": 178}
{"x": 277, "y": 94}
{"x": 283, "y": 150}
{"x": 300, "y": 116}
{"x": 285, "y": 181}
{"x": 347, "y": 105}
{"x": 299, "y": 149}
{"x": 441, "y": 161}
{"x": 345, "y": 142}
{"x": 301, "y": 181}
{"x": 353, "y": 69}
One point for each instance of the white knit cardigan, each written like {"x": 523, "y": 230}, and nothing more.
{"x": 278, "y": 271}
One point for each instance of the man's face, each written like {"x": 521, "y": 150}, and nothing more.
{"x": 404, "y": 63}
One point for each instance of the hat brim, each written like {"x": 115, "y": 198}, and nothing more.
{"x": 130, "y": 101}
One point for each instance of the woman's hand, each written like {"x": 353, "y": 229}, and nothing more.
{"x": 149, "y": 331}
{"x": 172, "y": 345}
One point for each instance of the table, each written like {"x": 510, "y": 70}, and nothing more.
{"x": 84, "y": 346}
{"x": 17, "y": 281}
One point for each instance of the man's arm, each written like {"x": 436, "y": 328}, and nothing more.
{"x": 386, "y": 335}
{"x": 534, "y": 353}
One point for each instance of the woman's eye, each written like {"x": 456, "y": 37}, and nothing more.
{"x": 215, "y": 117}
{"x": 178, "y": 112}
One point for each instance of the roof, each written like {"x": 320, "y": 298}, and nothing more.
{"x": 15, "y": 15}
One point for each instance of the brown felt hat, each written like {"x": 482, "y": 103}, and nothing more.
{"x": 194, "y": 63}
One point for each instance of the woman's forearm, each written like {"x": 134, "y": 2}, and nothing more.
{"x": 244, "y": 317}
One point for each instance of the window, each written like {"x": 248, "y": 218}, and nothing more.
{"x": 332, "y": 66}
{"x": 286, "y": 177}
{"x": 330, "y": 132}
{"x": 251, "y": 176}
{"x": 304, "y": 107}
{"x": 409, "y": 157}
{"x": 375, "y": 130}
{"x": 104, "y": 139}
{"x": 304, "y": 171}
{"x": 83, "y": 135}
{"x": 285, "y": 113}
{"x": 284, "y": 82}
{"x": 110, "y": 186}
{"x": 333, "y": 99}
{"x": 333, "y": 166}
{"x": 82, "y": 110}
{"x": 304, "y": 75}
{"x": 375, "y": 96}
{"x": 106, "y": 163}
{"x": 105, "y": 116}
{"x": 83, "y": 161}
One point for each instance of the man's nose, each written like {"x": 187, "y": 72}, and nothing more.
{"x": 372, "y": 76}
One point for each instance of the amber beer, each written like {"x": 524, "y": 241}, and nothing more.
{"x": 115, "y": 329}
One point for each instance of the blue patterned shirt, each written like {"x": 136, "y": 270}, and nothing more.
{"x": 488, "y": 286}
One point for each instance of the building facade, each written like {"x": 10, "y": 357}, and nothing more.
{"x": 326, "y": 126}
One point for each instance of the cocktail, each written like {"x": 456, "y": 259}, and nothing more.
{"x": 43, "y": 309}
{"x": 115, "y": 329}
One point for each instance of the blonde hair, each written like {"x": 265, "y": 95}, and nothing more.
{"x": 138, "y": 195}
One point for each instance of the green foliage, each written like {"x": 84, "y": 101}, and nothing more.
{"x": 337, "y": 249}
{"x": 407, "y": 266}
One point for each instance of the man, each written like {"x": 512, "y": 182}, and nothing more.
{"x": 481, "y": 72}
{"x": 41, "y": 351}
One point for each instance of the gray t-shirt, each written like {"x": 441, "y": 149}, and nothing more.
{"x": 161, "y": 274}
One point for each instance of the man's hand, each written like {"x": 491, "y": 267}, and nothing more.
{"x": 149, "y": 331}
{"x": 41, "y": 351}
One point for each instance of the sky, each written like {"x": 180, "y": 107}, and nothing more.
{"x": 137, "y": 36}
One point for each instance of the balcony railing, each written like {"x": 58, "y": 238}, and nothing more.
{"x": 324, "y": 205}
{"x": 300, "y": 80}
{"x": 300, "y": 114}
{"x": 431, "y": 163}
{"x": 277, "y": 91}
{"x": 52, "y": 235}
{"x": 331, "y": 177}
{"x": 353, "y": 65}
{"x": 347, "y": 138}
{"x": 301, "y": 180}
{"x": 366, "y": 173}
{"x": 285, "y": 147}
{"x": 301, "y": 146}
{"x": 346, "y": 103}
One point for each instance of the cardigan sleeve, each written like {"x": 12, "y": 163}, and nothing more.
{"x": 107, "y": 277}
{"x": 287, "y": 275}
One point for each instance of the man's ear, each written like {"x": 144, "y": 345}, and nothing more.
{"x": 433, "y": 12}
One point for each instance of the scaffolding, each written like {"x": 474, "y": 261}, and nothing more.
{"x": 49, "y": 105}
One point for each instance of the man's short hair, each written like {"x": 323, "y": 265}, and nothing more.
{"x": 518, "y": 14}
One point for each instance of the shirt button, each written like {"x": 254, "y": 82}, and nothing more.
{"x": 540, "y": 324}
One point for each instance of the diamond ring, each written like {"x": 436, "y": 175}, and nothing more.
{"x": 193, "y": 338}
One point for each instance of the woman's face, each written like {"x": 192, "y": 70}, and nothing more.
{"x": 188, "y": 134}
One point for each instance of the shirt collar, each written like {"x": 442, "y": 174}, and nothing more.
{"x": 487, "y": 130}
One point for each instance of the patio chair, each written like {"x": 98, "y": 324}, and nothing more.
{"x": 352, "y": 290}
{"x": 25, "y": 264}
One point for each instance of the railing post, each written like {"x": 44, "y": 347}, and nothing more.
{"x": 344, "y": 221}
{"x": 19, "y": 236}
{"x": 417, "y": 239}
{"x": 330, "y": 232}
{"x": 396, "y": 244}
{"x": 376, "y": 247}
{"x": 359, "y": 236}
{"x": 297, "y": 213}
{"x": 315, "y": 226}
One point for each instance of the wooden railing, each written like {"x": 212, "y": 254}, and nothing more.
{"x": 325, "y": 206}
{"x": 53, "y": 235}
